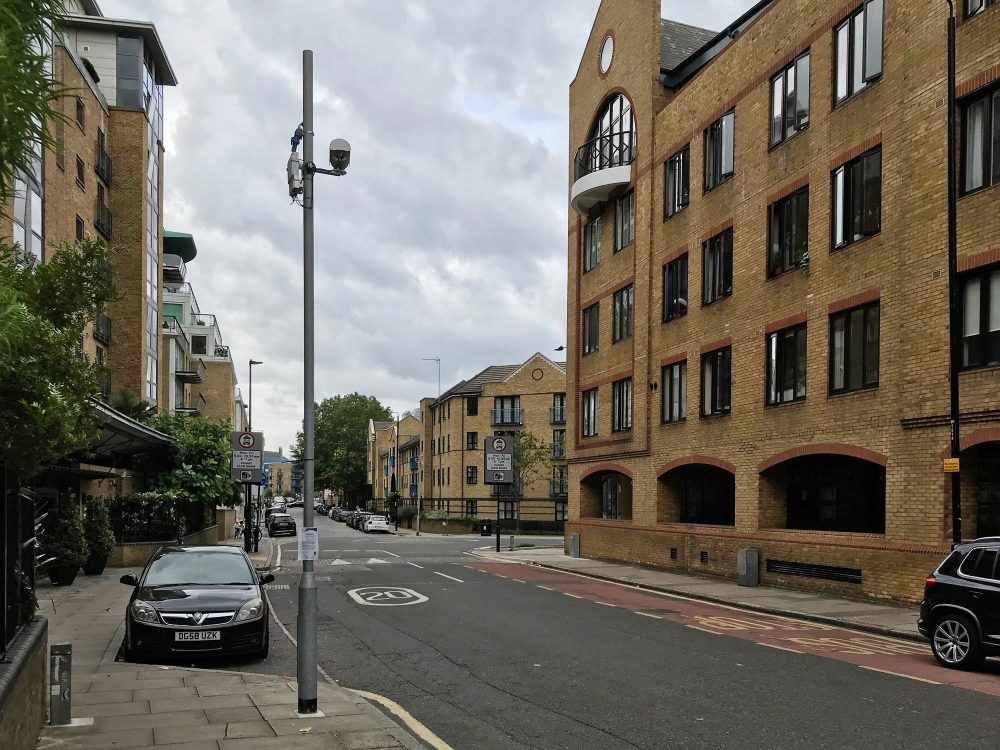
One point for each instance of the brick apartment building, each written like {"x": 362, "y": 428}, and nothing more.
{"x": 758, "y": 290}
{"x": 501, "y": 399}
{"x": 391, "y": 445}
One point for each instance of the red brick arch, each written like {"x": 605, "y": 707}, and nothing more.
{"x": 817, "y": 449}
{"x": 602, "y": 468}
{"x": 694, "y": 460}
{"x": 988, "y": 435}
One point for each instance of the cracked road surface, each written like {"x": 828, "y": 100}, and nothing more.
{"x": 509, "y": 656}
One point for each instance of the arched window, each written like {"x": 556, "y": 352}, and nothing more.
{"x": 612, "y": 139}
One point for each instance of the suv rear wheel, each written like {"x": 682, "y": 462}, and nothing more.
{"x": 955, "y": 642}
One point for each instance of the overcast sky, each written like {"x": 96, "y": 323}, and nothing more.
{"x": 448, "y": 236}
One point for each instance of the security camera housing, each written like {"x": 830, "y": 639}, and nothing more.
{"x": 340, "y": 155}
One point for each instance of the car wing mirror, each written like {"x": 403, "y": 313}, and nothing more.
{"x": 129, "y": 580}
{"x": 266, "y": 578}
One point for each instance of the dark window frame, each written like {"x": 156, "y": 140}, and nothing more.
{"x": 81, "y": 172}
{"x": 990, "y": 156}
{"x": 588, "y": 418}
{"x": 722, "y": 277}
{"x": 81, "y": 228}
{"x": 974, "y": 7}
{"x": 850, "y": 347}
{"x": 864, "y": 219}
{"x": 471, "y": 474}
{"x": 591, "y": 245}
{"x": 81, "y": 114}
{"x": 471, "y": 406}
{"x": 471, "y": 441}
{"x": 986, "y": 340}
{"x": 867, "y": 78}
{"x": 790, "y": 125}
{"x": 668, "y": 415}
{"x": 624, "y": 231}
{"x": 677, "y": 182}
{"x": 777, "y": 358}
{"x": 719, "y": 402}
{"x": 592, "y": 329}
{"x": 622, "y": 394}
{"x": 715, "y": 173}
{"x": 622, "y": 313}
{"x": 676, "y": 289}
{"x": 783, "y": 224}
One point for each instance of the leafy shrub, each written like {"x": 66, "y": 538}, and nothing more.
{"x": 97, "y": 529}
{"x": 62, "y": 533}
{"x": 406, "y": 513}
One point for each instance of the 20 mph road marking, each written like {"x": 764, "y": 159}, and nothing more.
{"x": 457, "y": 580}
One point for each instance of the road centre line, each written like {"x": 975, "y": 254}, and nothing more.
{"x": 517, "y": 579}
{"x": 898, "y": 674}
{"x": 545, "y": 587}
{"x": 389, "y": 553}
{"x": 443, "y": 575}
{"x": 647, "y": 614}
{"x": 415, "y": 565}
{"x": 605, "y": 604}
{"x": 780, "y": 648}
{"x": 573, "y": 595}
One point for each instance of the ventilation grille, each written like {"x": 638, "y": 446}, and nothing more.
{"x": 704, "y": 557}
{"x": 809, "y": 570}
{"x": 673, "y": 553}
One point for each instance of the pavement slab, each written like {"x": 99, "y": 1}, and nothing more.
{"x": 175, "y": 735}
{"x": 239, "y": 729}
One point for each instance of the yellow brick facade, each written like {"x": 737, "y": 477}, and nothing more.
{"x": 900, "y": 427}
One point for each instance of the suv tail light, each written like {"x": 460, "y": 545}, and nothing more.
{"x": 931, "y": 580}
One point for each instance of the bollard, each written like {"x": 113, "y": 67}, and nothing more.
{"x": 60, "y": 683}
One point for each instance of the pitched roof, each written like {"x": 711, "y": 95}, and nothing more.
{"x": 474, "y": 385}
{"x": 382, "y": 425}
{"x": 678, "y": 41}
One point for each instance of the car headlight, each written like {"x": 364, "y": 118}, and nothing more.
{"x": 143, "y": 612}
{"x": 251, "y": 610}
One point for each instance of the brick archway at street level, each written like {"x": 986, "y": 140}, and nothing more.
{"x": 604, "y": 469}
{"x": 718, "y": 463}
{"x": 816, "y": 449}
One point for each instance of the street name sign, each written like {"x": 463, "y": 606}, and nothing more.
{"x": 498, "y": 459}
{"x": 248, "y": 457}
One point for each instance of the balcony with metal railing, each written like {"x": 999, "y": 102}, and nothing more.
{"x": 602, "y": 165}
{"x": 505, "y": 417}
{"x": 191, "y": 372}
{"x": 557, "y": 415}
{"x": 104, "y": 165}
{"x": 102, "y": 328}
{"x": 194, "y": 406}
{"x": 171, "y": 326}
{"x": 174, "y": 269}
{"x": 558, "y": 488}
{"x": 104, "y": 381}
{"x": 558, "y": 450}
{"x": 103, "y": 221}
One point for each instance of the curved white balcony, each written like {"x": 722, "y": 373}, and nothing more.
{"x": 602, "y": 165}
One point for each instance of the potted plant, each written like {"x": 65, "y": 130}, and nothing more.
{"x": 62, "y": 539}
{"x": 99, "y": 537}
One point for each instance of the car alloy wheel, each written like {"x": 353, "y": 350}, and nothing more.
{"x": 955, "y": 643}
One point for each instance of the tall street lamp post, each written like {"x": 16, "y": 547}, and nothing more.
{"x": 249, "y": 537}
{"x": 300, "y": 181}
{"x": 954, "y": 308}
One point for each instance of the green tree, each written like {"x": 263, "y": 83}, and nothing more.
{"x": 199, "y": 469}
{"x": 29, "y": 100}
{"x": 131, "y": 405}
{"x": 45, "y": 377}
{"x": 341, "y": 443}
{"x": 532, "y": 457}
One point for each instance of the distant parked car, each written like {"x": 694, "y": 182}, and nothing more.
{"x": 294, "y": 504}
{"x": 375, "y": 523}
{"x": 280, "y": 523}
{"x": 960, "y": 612}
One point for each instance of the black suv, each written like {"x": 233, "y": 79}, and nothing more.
{"x": 960, "y": 613}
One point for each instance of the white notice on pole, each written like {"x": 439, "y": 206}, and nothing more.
{"x": 309, "y": 543}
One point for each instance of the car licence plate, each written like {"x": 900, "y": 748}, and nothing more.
{"x": 197, "y": 635}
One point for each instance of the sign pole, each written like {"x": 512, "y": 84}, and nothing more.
{"x": 498, "y": 523}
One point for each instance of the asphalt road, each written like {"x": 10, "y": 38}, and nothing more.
{"x": 493, "y": 655}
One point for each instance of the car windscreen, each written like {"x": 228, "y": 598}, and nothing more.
{"x": 181, "y": 567}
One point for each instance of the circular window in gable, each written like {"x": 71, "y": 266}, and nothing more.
{"x": 607, "y": 52}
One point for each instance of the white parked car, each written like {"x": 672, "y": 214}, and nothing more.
{"x": 375, "y": 523}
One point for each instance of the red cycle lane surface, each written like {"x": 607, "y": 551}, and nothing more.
{"x": 890, "y": 655}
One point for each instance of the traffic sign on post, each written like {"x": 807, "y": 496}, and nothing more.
{"x": 248, "y": 457}
{"x": 499, "y": 460}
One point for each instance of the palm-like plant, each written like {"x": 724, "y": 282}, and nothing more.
{"x": 132, "y": 406}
